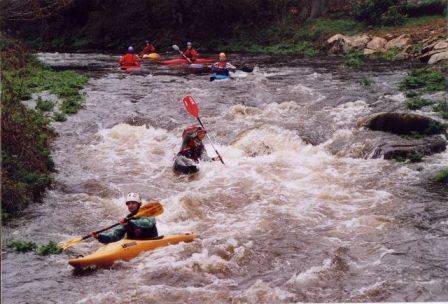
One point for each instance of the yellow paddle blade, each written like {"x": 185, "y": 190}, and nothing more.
{"x": 70, "y": 243}
{"x": 150, "y": 209}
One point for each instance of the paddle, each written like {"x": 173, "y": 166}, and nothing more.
{"x": 193, "y": 109}
{"x": 150, "y": 209}
{"x": 176, "y": 48}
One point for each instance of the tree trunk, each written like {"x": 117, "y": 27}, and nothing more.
{"x": 318, "y": 8}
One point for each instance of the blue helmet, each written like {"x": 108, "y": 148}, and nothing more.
{"x": 130, "y": 49}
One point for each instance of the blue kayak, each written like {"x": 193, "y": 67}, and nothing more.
{"x": 219, "y": 77}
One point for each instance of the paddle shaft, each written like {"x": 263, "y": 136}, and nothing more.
{"x": 182, "y": 53}
{"x": 211, "y": 142}
{"x": 104, "y": 229}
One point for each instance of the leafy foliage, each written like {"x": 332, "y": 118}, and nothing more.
{"x": 424, "y": 79}
{"x": 417, "y": 103}
{"x": 379, "y": 12}
{"x": 442, "y": 176}
{"x": 22, "y": 246}
{"x": 50, "y": 248}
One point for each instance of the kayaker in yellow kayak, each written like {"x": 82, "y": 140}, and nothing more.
{"x": 136, "y": 229}
{"x": 149, "y": 48}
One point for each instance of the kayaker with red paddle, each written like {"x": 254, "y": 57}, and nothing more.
{"x": 148, "y": 49}
{"x": 191, "y": 53}
{"x": 191, "y": 151}
{"x": 130, "y": 60}
{"x": 140, "y": 228}
{"x": 222, "y": 67}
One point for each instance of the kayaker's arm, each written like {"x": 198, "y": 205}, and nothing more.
{"x": 113, "y": 236}
{"x": 230, "y": 67}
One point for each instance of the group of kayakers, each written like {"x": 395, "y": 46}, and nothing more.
{"x": 191, "y": 152}
{"x": 221, "y": 68}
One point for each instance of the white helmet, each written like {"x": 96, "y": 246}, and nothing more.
{"x": 133, "y": 197}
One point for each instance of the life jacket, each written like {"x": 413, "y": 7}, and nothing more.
{"x": 148, "y": 50}
{"x": 135, "y": 232}
{"x": 191, "y": 146}
{"x": 220, "y": 68}
{"x": 129, "y": 60}
{"x": 191, "y": 53}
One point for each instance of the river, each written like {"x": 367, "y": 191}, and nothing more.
{"x": 286, "y": 220}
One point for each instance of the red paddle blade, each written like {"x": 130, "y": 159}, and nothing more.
{"x": 191, "y": 106}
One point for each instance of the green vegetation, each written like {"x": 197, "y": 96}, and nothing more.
{"x": 44, "y": 105}
{"x": 354, "y": 59}
{"x": 417, "y": 103}
{"x": 442, "y": 176}
{"x": 425, "y": 80}
{"x": 390, "y": 54}
{"x": 366, "y": 82}
{"x": 21, "y": 246}
{"x": 36, "y": 78}
{"x": 26, "y": 134}
{"x": 379, "y": 12}
{"x": 411, "y": 94}
{"x": 442, "y": 108}
{"x": 288, "y": 37}
{"x": 58, "y": 116}
{"x": 425, "y": 7}
{"x": 415, "y": 157}
{"x": 50, "y": 248}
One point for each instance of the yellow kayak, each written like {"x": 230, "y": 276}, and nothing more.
{"x": 127, "y": 249}
{"x": 152, "y": 56}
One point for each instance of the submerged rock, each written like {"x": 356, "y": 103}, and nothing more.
{"x": 401, "y": 123}
{"x": 406, "y": 148}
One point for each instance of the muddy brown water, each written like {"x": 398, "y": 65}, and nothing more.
{"x": 284, "y": 221}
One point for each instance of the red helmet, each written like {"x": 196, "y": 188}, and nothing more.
{"x": 192, "y": 131}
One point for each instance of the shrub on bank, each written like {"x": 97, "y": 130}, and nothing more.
{"x": 379, "y": 12}
{"x": 26, "y": 134}
{"x": 442, "y": 176}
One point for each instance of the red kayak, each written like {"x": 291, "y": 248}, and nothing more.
{"x": 179, "y": 61}
{"x": 130, "y": 69}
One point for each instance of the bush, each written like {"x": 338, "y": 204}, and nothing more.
{"x": 26, "y": 134}
{"x": 424, "y": 79}
{"x": 379, "y": 12}
{"x": 415, "y": 157}
{"x": 424, "y": 8}
{"x": 417, "y": 103}
{"x": 354, "y": 59}
{"x": 21, "y": 246}
{"x": 366, "y": 82}
{"x": 58, "y": 116}
{"x": 50, "y": 248}
{"x": 442, "y": 108}
{"x": 442, "y": 176}
{"x": 44, "y": 105}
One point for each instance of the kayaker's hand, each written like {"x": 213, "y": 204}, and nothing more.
{"x": 215, "y": 158}
{"x": 124, "y": 221}
{"x": 94, "y": 235}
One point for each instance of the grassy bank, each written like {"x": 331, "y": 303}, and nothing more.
{"x": 26, "y": 133}
{"x": 308, "y": 38}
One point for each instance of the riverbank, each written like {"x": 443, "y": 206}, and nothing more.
{"x": 33, "y": 96}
